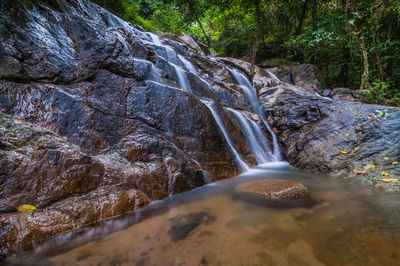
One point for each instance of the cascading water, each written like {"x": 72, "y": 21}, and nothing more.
{"x": 221, "y": 125}
{"x": 251, "y": 96}
{"x": 182, "y": 78}
{"x": 189, "y": 66}
{"x": 273, "y": 76}
{"x": 258, "y": 143}
{"x": 155, "y": 38}
{"x": 258, "y": 146}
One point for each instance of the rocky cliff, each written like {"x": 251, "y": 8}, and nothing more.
{"x": 98, "y": 118}
{"x": 107, "y": 125}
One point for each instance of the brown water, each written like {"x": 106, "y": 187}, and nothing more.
{"x": 350, "y": 225}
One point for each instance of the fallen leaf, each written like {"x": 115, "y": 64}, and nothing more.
{"x": 369, "y": 167}
{"x": 395, "y": 163}
{"x": 386, "y": 158}
{"x": 384, "y": 173}
{"x": 369, "y": 117}
{"x": 17, "y": 122}
{"x": 341, "y": 111}
{"x": 347, "y": 135}
{"x": 356, "y": 148}
{"x": 355, "y": 114}
{"x": 25, "y": 208}
{"x": 359, "y": 172}
{"x": 302, "y": 223}
{"x": 375, "y": 178}
{"x": 396, "y": 132}
{"x": 343, "y": 151}
{"x": 390, "y": 180}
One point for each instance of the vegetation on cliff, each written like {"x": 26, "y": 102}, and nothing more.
{"x": 356, "y": 44}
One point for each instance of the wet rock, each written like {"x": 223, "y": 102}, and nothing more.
{"x": 336, "y": 137}
{"x": 272, "y": 191}
{"x": 25, "y": 229}
{"x": 305, "y": 75}
{"x": 344, "y": 94}
{"x": 182, "y": 225}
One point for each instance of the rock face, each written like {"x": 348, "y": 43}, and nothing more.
{"x": 41, "y": 168}
{"x": 305, "y": 75}
{"x": 107, "y": 124}
{"x": 337, "y": 137}
{"x": 340, "y": 137}
{"x": 274, "y": 191}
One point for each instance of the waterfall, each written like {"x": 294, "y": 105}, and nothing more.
{"x": 255, "y": 138}
{"x": 250, "y": 93}
{"x": 182, "y": 78}
{"x": 155, "y": 38}
{"x": 273, "y": 76}
{"x": 189, "y": 66}
{"x": 257, "y": 142}
{"x": 221, "y": 125}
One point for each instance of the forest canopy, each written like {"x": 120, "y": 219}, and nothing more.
{"x": 355, "y": 44}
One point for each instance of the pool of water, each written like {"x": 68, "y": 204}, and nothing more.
{"x": 350, "y": 225}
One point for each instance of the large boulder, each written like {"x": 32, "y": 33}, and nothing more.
{"x": 69, "y": 187}
{"x": 354, "y": 140}
{"x": 275, "y": 192}
{"x": 306, "y": 76}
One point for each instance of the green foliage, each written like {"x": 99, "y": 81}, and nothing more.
{"x": 327, "y": 33}
{"x": 381, "y": 93}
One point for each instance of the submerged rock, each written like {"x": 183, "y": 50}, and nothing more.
{"x": 276, "y": 192}
{"x": 182, "y": 225}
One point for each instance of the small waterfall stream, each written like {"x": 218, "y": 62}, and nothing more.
{"x": 258, "y": 146}
{"x": 250, "y": 93}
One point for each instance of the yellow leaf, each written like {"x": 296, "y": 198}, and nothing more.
{"x": 17, "y": 122}
{"x": 384, "y": 173}
{"x": 347, "y": 135}
{"x": 390, "y": 180}
{"x": 343, "y": 151}
{"x": 302, "y": 223}
{"x": 369, "y": 167}
{"x": 356, "y": 148}
{"x": 355, "y": 114}
{"x": 359, "y": 172}
{"x": 395, "y": 163}
{"x": 375, "y": 178}
{"x": 26, "y": 208}
{"x": 386, "y": 158}
{"x": 341, "y": 111}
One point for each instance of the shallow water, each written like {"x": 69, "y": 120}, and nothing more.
{"x": 350, "y": 225}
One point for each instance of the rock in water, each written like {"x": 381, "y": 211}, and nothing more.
{"x": 275, "y": 192}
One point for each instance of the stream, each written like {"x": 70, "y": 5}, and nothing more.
{"x": 212, "y": 225}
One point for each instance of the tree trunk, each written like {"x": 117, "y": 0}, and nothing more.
{"x": 255, "y": 47}
{"x": 204, "y": 32}
{"x": 356, "y": 28}
{"x": 364, "y": 53}
{"x": 314, "y": 14}
{"x": 303, "y": 16}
